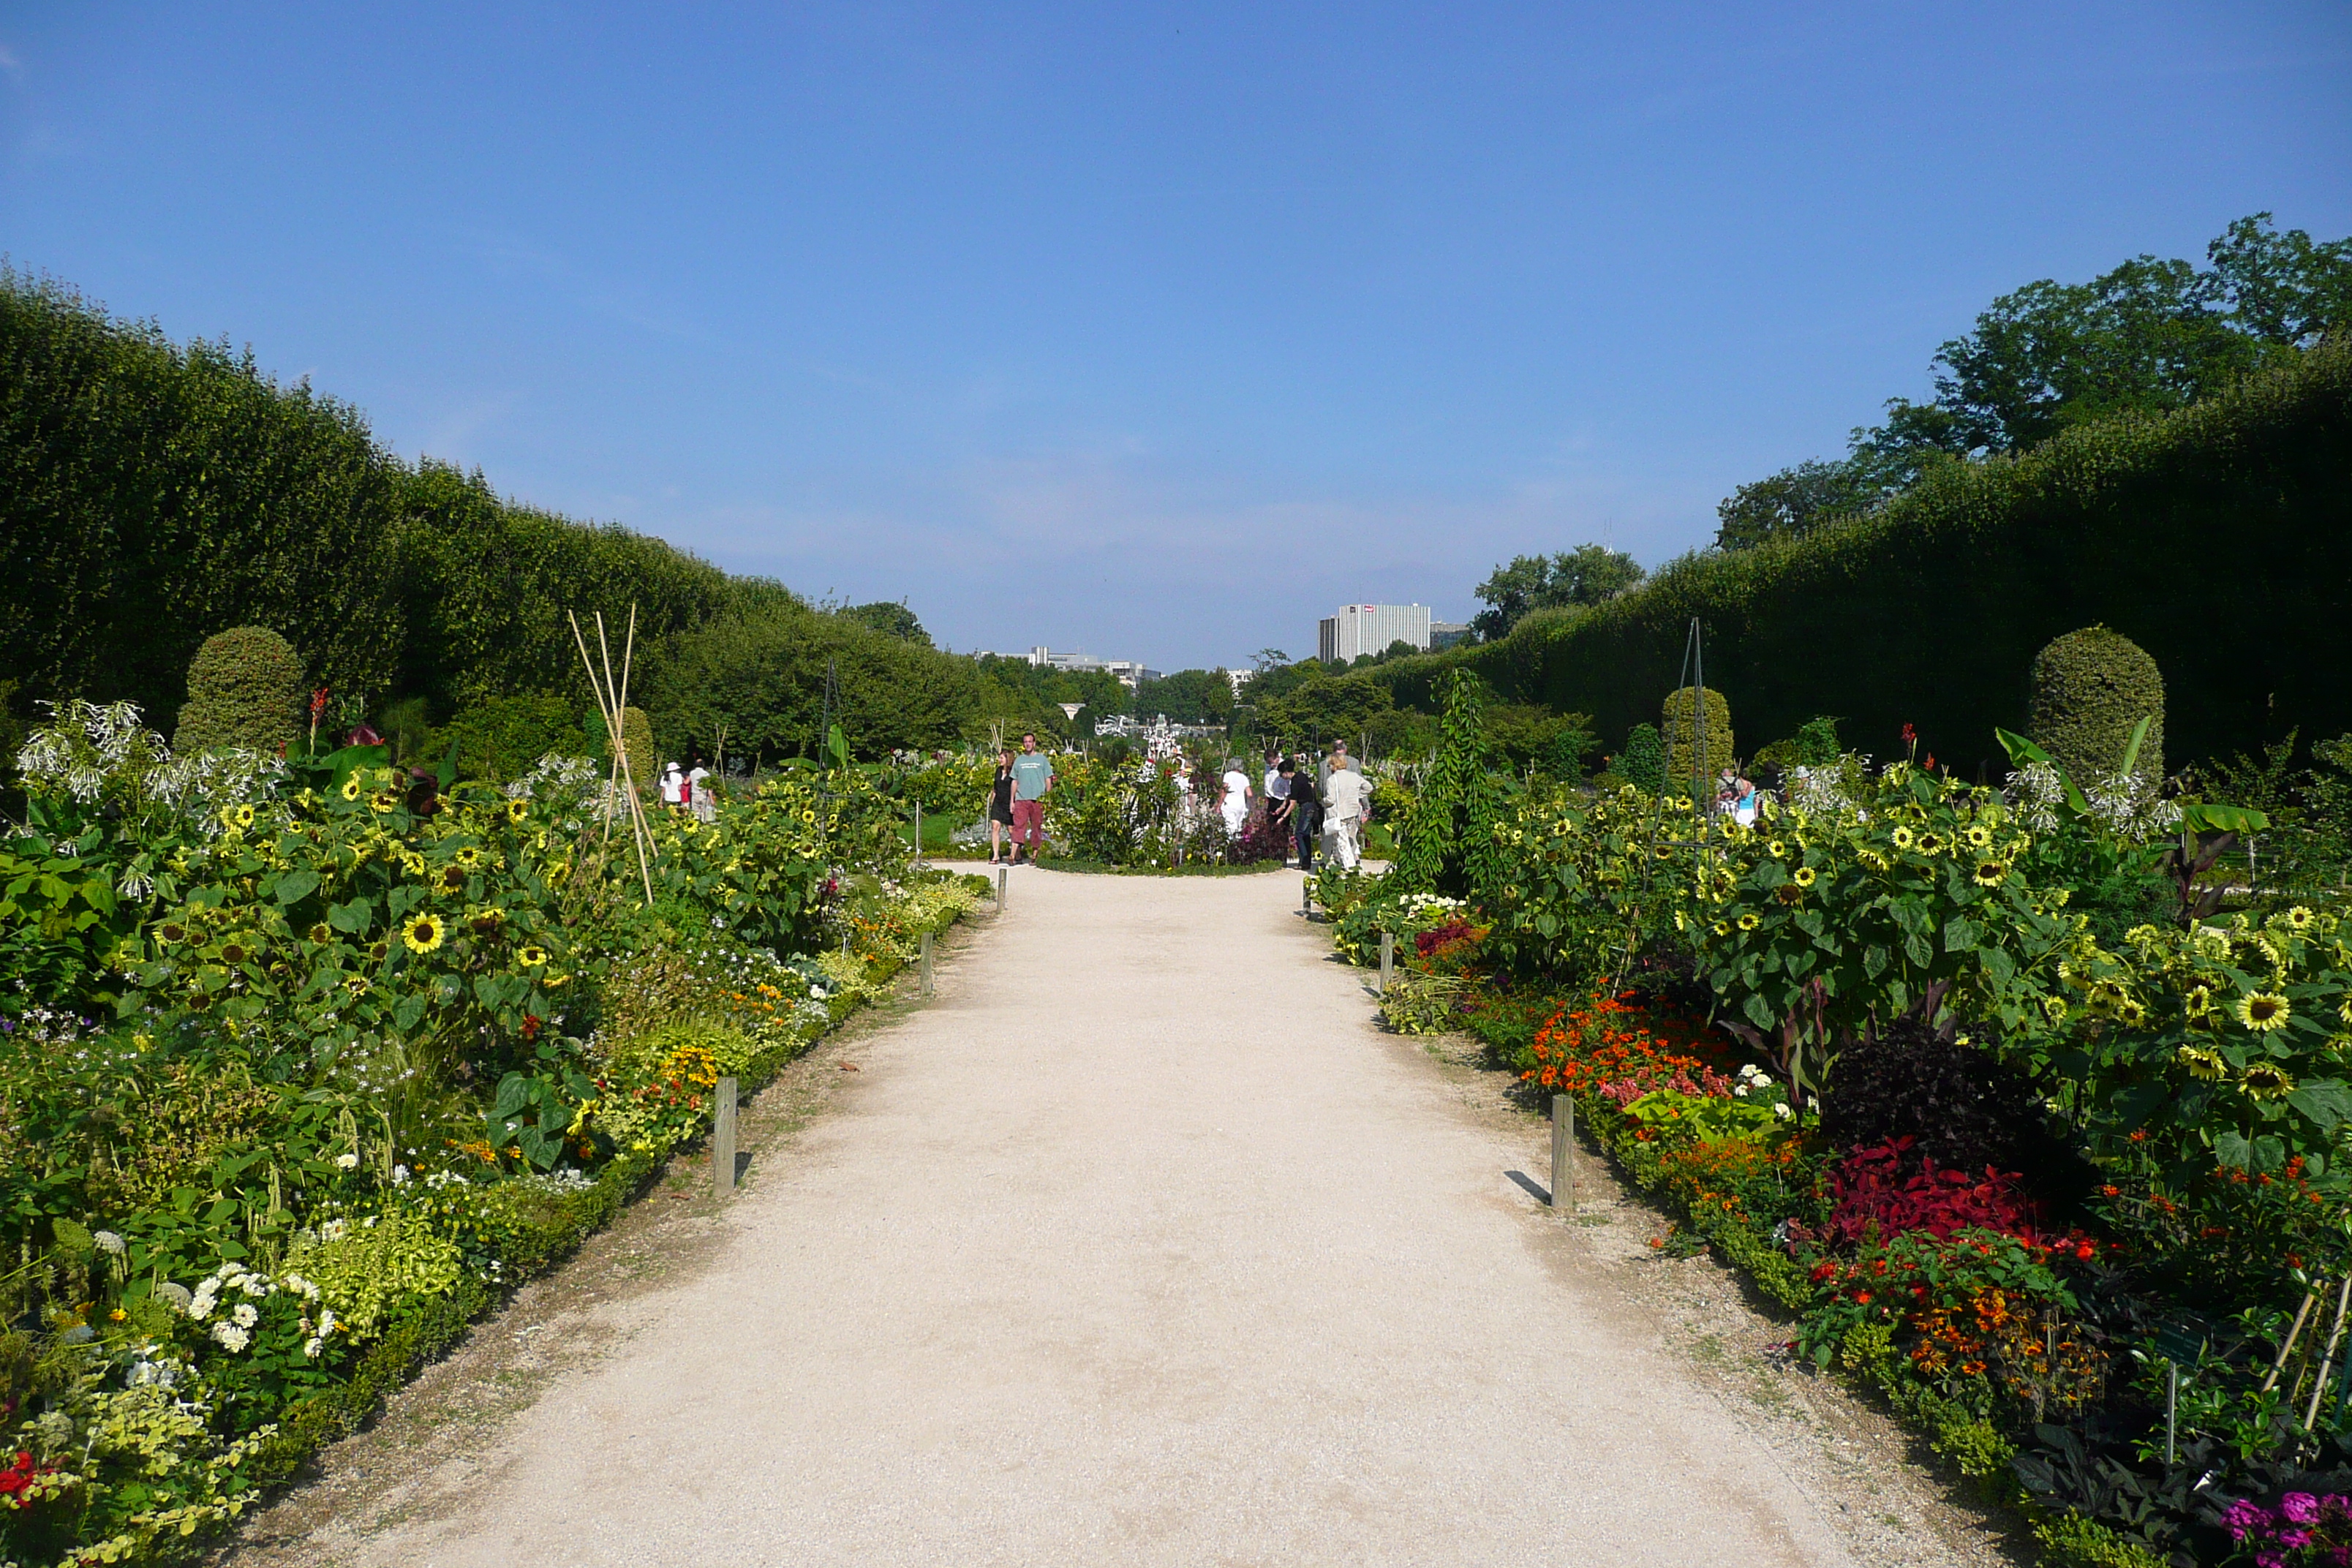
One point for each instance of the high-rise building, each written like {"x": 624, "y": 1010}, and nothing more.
{"x": 1359, "y": 630}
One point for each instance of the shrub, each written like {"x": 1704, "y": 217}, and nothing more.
{"x": 1683, "y": 732}
{"x": 1643, "y": 764}
{"x": 244, "y": 689}
{"x": 502, "y": 739}
{"x": 1943, "y": 1101}
{"x": 2091, "y": 689}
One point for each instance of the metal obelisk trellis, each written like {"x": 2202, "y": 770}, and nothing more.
{"x": 612, "y": 701}
{"x": 1693, "y": 727}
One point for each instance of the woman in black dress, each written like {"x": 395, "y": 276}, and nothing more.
{"x": 1000, "y": 804}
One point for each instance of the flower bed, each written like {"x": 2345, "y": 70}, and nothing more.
{"x": 304, "y": 1065}
{"x": 1949, "y": 1073}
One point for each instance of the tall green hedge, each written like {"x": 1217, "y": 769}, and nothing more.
{"x": 2217, "y": 537}
{"x": 153, "y": 494}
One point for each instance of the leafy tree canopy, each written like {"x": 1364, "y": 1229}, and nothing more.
{"x": 891, "y": 620}
{"x": 1581, "y": 578}
{"x": 1188, "y": 697}
{"x": 2149, "y": 335}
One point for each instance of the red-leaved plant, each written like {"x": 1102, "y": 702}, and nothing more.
{"x": 1876, "y": 1201}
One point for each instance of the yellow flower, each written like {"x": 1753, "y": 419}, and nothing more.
{"x": 322, "y": 931}
{"x": 517, "y": 809}
{"x": 1903, "y": 839}
{"x": 2199, "y": 1002}
{"x": 1748, "y": 923}
{"x": 468, "y": 856}
{"x": 351, "y": 790}
{"x": 1980, "y": 836}
{"x": 357, "y": 985}
{"x": 1929, "y": 844}
{"x": 2054, "y": 1009}
{"x": 2202, "y": 1063}
{"x": 533, "y": 956}
{"x": 1802, "y": 876}
{"x": 1723, "y": 927}
{"x": 1989, "y": 873}
{"x": 2300, "y": 918}
{"x": 2264, "y": 1011}
{"x": 423, "y": 935}
{"x": 2264, "y": 1081}
{"x": 383, "y": 800}
{"x": 1776, "y": 849}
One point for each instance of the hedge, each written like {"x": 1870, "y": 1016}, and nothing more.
{"x": 2219, "y": 538}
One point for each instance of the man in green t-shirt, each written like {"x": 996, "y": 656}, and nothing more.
{"x": 1033, "y": 775}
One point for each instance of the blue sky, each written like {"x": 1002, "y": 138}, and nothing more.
{"x": 1152, "y": 331}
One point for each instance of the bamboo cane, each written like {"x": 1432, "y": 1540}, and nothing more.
{"x": 2327, "y": 1360}
{"x": 2293, "y": 1335}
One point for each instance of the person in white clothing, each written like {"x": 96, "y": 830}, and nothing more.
{"x": 1347, "y": 807}
{"x": 673, "y": 785}
{"x": 697, "y": 793}
{"x": 1235, "y": 801}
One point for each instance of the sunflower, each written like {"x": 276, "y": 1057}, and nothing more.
{"x": 357, "y": 985}
{"x": 234, "y": 952}
{"x": 2054, "y": 1009}
{"x": 468, "y": 856}
{"x": 2199, "y": 1002}
{"x": 531, "y": 956}
{"x": 1903, "y": 837}
{"x": 2202, "y": 1063}
{"x": 517, "y": 809}
{"x": 424, "y": 933}
{"x": 1929, "y": 844}
{"x": 1789, "y": 893}
{"x": 486, "y": 922}
{"x": 172, "y": 932}
{"x": 2300, "y": 918}
{"x": 383, "y": 800}
{"x": 322, "y": 932}
{"x": 2132, "y": 1011}
{"x": 1723, "y": 927}
{"x": 2105, "y": 997}
{"x": 808, "y": 816}
{"x": 1980, "y": 836}
{"x": 2264, "y": 1011}
{"x": 1802, "y": 876}
{"x": 351, "y": 790}
{"x": 2264, "y": 1081}
{"x": 1989, "y": 873}
{"x": 239, "y": 816}
{"x": 452, "y": 879}
{"x": 1776, "y": 849}
{"x": 1748, "y": 923}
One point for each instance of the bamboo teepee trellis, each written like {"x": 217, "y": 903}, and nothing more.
{"x": 611, "y": 699}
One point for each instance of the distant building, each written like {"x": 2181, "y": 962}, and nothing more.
{"x": 1445, "y": 634}
{"x": 1130, "y": 672}
{"x": 1359, "y": 630}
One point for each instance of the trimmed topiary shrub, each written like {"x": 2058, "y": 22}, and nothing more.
{"x": 244, "y": 689}
{"x": 1680, "y": 731}
{"x": 1644, "y": 760}
{"x": 638, "y": 732}
{"x": 504, "y": 737}
{"x": 2091, "y": 689}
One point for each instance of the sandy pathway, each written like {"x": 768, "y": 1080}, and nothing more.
{"x": 1140, "y": 1245}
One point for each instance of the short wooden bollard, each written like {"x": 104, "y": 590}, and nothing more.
{"x": 1563, "y": 1139}
{"x": 722, "y": 1138}
{"x": 926, "y": 963}
{"x": 1307, "y": 896}
{"x": 918, "y": 833}
{"x": 1003, "y": 878}
{"x": 1387, "y": 960}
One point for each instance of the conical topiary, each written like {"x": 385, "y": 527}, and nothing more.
{"x": 1681, "y": 736}
{"x": 244, "y": 689}
{"x": 1643, "y": 763}
{"x": 1449, "y": 840}
{"x": 2090, "y": 690}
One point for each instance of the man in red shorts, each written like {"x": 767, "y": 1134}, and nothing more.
{"x": 1033, "y": 775}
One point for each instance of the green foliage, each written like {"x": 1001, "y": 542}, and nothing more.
{"x": 1448, "y": 844}
{"x": 1683, "y": 729}
{"x": 2091, "y": 690}
{"x": 504, "y": 737}
{"x": 1577, "y": 578}
{"x": 1643, "y": 763}
{"x": 1188, "y": 697}
{"x": 371, "y": 1266}
{"x": 891, "y": 620}
{"x": 244, "y": 689}
{"x": 2000, "y": 556}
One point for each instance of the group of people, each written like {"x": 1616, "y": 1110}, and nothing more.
{"x": 689, "y": 789}
{"x": 1306, "y": 802}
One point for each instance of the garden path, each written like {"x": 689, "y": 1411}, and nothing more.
{"x": 1138, "y": 1244}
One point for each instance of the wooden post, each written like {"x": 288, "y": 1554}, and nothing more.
{"x": 918, "y": 833}
{"x": 2171, "y": 1406}
{"x": 1387, "y": 960}
{"x": 1306, "y": 896}
{"x": 722, "y": 1138}
{"x": 1003, "y": 878}
{"x": 1563, "y": 1166}
{"x": 926, "y": 963}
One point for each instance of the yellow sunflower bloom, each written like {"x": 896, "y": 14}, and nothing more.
{"x": 2264, "y": 1011}
{"x": 1904, "y": 838}
{"x": 531, "y": 956}
{"x": 1748, "y": 923}
{"x": 2202, "y": 1063}
{"x": 517, "y": 809}
{"x": 1803, "y": 876}
{"x": 351, "y": 790}
{"x": 1989, "y": 873}
{"x": 424, "y": 933}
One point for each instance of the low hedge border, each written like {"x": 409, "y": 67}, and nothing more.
{"x": 432, "y": 1327}
{"x": 1971, "y": 1444}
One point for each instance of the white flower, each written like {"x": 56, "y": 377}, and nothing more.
{"x": 177, "y": 1295}
{"x": 400, "y": 1175}
{"x": 1782, "y": 1112}
{"x": 334, "y": 1229}
{"x": 201, "y": 1305}
{"x": 244, "y": 1316}
{"x": 231, "y": 1336}
{"x": 311, "y": 1349}
{"x": 108, "y": 1243}
{"x": 1739, "y": 1090}
{"x": 346, "y": 1161}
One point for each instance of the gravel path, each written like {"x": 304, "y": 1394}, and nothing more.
{"x": 1141, "y": 1244}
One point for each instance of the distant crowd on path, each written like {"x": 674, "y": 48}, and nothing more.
{"x": 1308, "y": 803}
{"x": 689, "y": 789}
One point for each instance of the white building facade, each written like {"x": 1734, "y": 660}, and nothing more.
{"x": 1359, "y": 630}
{"x": 1130, "y": 672}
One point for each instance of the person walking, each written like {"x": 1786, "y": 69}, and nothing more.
{"x": 1235, "y": 801}
{"x": 1306, "y": 814}
{"x": 1348, "y": 796}
{"x": 699, "y": 798}
{"x": 1033, "y": 776}
{"x": 1000, "y": 808}
{"x": 673, "y": 786}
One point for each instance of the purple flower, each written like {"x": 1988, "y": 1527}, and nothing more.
{"x": 2300, "y": 1508}
{"x": 2245, "y": 1518}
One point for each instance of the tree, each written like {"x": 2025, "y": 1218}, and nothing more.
{"x": 890, "y": 620}
{"x": 2149, "y": 335}
{"x": 1188, "y": 697}
{"x": 1583, "y": 577}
